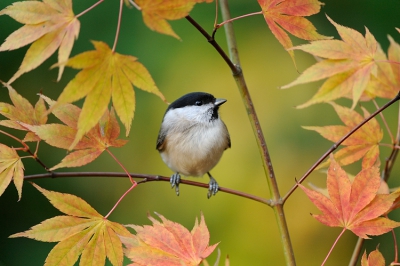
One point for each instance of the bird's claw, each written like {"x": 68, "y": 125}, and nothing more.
{"x": 213, "y": 187}
{"x": 175, "y": 180}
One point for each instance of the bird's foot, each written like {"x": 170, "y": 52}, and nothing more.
{"x": 175, "y": 180}
{"x": 213, "y": 186}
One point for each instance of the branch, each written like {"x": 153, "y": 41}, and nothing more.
{"x": 146, "y": 178}
{"x": 234, "y": 65}
{"x": 356, "y": 252}
{"x": 212, "y": 41}
{"x": 337, "y": 144}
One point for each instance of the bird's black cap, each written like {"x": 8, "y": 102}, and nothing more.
{"x": 193, "y": 98}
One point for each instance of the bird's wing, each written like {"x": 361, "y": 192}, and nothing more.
{"x": 160, "y": 140}
{"x": 228, "y": 137}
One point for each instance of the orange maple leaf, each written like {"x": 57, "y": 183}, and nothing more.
{"x": 354, "y": 206}
{"x": 50, "y": 24}
{"x": 97, "y": 140}
{"x": 289, "y": 14}
{"x": 375, "y": 258}
{"x": 349, "y": 64}
{"x": 157, "y": 12}
{"x": 105, "y": 75}
{"x": 83, "y": 231}
{"x": 11, "y": 168}
{"x": 364, "y": 143}
{"x": 168, "y": 243}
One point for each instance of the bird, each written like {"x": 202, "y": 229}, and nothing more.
{"x": 192, "y": 138}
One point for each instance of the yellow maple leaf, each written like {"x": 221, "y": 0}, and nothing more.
{"x": 83, "y": 231}
{"x": 49, "y": 25}
{"x": 157, "y": 12}
{"x": 11, "y": 168}
{"x": 105, "y": 75}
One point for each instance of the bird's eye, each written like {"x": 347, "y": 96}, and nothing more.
{"x": 198, "y": 103}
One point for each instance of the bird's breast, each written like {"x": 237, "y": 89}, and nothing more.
{"x": 195, "y": 150}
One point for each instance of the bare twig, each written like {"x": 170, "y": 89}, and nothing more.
{"x": 356, "y": 252}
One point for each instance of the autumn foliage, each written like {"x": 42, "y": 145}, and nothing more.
{"x": 353, "y": 67}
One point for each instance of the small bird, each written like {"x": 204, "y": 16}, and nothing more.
{"x": 192, "y": 137}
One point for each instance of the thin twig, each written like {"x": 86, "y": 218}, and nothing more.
{"x": 211, "y": 40}
{"x": 146, "y": 178}
{"x": 356, "y": 252}
{"x": 337, "y": 144}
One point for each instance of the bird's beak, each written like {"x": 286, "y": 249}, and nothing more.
{"x": 219, "y": 101}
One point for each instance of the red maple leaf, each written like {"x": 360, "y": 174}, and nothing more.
{"x": 354, "y": 206}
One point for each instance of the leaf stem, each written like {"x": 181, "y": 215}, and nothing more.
{"x": 135, "y": 5}
{"x": 123, "y": 196}
{"x": 121, "y": 5}
{"x": 26, "y": 149}
{"x": 337, "y": 144}
{"x": 240, "y": 17}
{"x": 146, "y": 178}
{"x": 396, "y": 253}
{"x": 384, "y": 121}
{"x": 88, "y": 9}
{"x": 122, "y": 166}
{"x": 392, "y": 157}
{"x": 334, "y": 244}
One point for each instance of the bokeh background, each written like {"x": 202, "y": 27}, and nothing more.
{"x": 246, "y": 230}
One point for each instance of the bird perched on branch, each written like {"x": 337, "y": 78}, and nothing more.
{"x": 193, "y": 137}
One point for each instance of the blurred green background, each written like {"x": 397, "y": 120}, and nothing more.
{"x": 247, "y": 230}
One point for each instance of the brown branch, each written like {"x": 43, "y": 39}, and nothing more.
{"x": 212, "y": 41}
{"x": 146, "y": 178}
{"x": 337, "y": 144}
{"x": 234, "y": 64}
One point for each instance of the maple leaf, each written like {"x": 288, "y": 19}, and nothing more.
{"x": 354, "y": 206}
{"x": 289, "y": 15}
{"x": 349, "y": 64}
{"x": 168, "y": 243}
{"x": 105, "y": 75}
{"x": 386, "y": 83}
{"x": 11, "y": 168}
{"x": 364, "y": 143}
{"x": 83, "y": 231}
{"x": 157, "y": 12}
{"x": 104, "y": 135}
{"x": 50, "y": 24}
{"x": 22, "y": 111}
{"x": 375, "y": 258}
